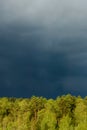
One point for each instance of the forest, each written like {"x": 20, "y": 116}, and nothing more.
{"x": 66, "y": 112}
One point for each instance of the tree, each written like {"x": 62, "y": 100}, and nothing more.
{"x": 80, "y": 111}
{"x": 65, "y": 123}
{"x": 81, "y": 126}
{"x": 49, "y": 121}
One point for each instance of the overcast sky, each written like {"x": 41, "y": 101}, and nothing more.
{"x": 43, "y": 47}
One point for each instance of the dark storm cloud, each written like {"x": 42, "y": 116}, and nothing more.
{"x": 43, "y": 49}
{"x": 30, "y": 67}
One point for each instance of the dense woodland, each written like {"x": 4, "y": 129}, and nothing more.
{"x": 66, "y": 112}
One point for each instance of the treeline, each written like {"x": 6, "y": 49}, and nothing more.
{"x": 66, "y": 112}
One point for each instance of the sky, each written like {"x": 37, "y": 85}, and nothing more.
{"x": 43, "y": 48}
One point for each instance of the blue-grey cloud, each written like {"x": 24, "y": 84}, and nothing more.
{"x": 43, "y": 47}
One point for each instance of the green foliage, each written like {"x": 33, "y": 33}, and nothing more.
{"x": 65, "y": 123}
{"x": 80, "y": 111}
{"x": 49, "y": 121}
{"x": 81, "y": 126}
{"x": 37, "y": 113}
